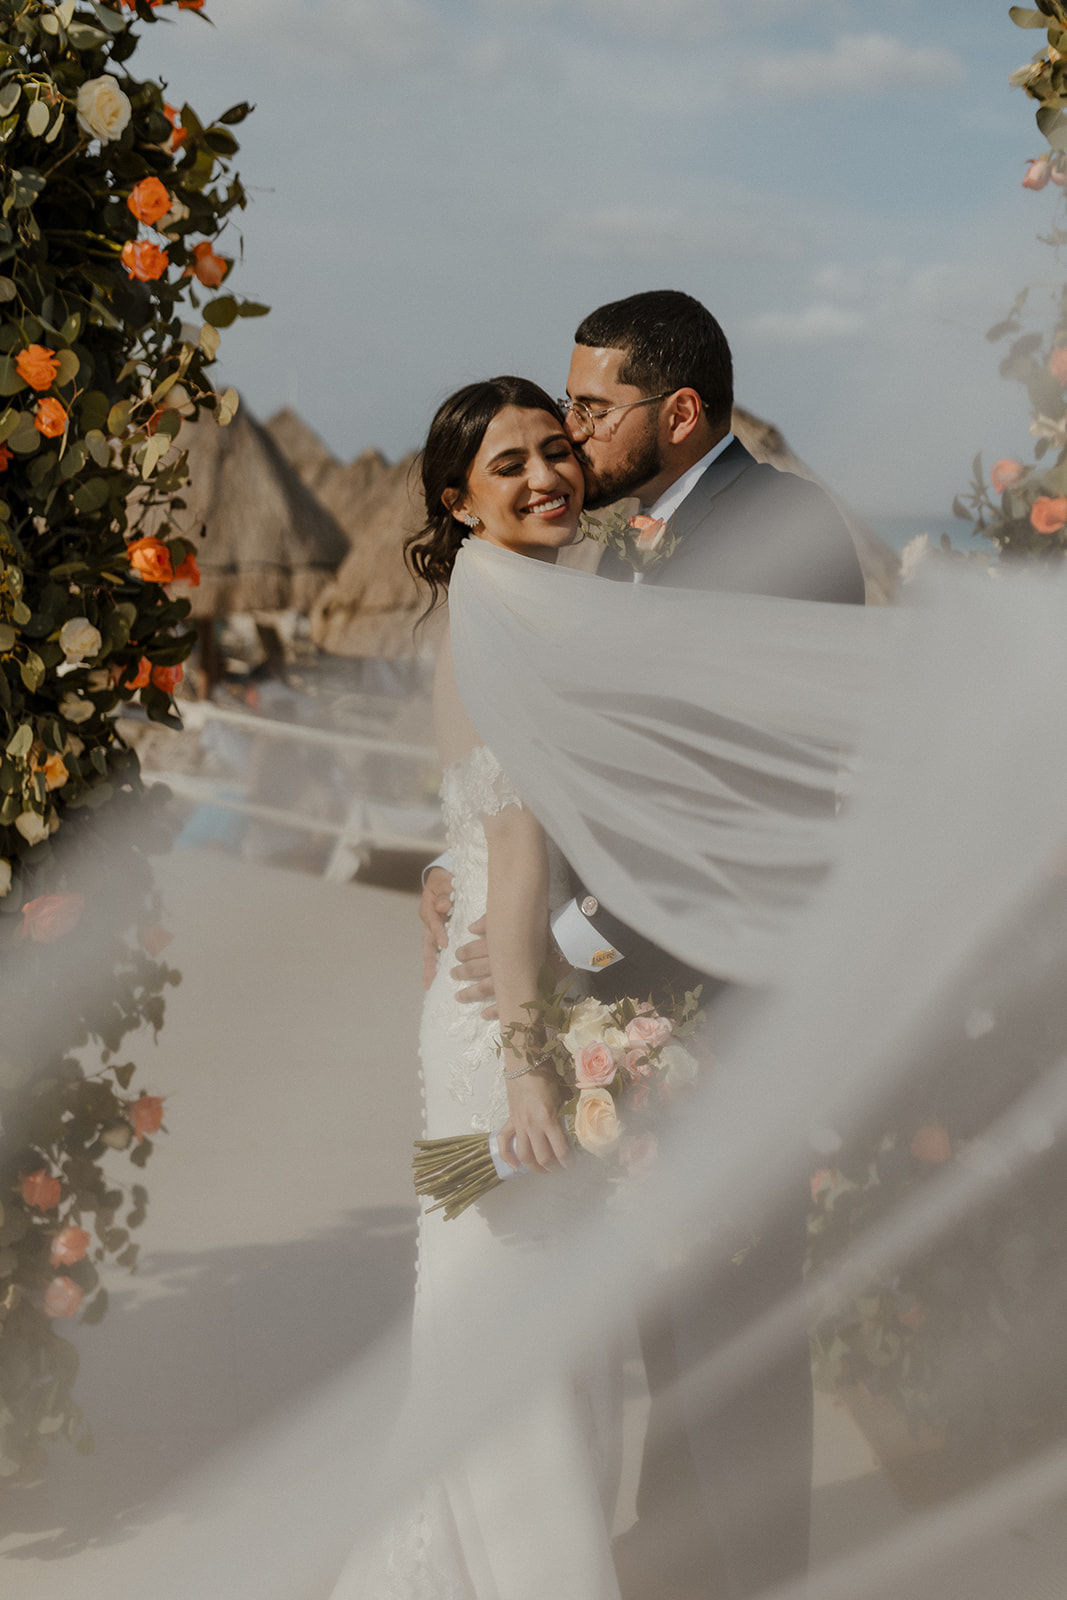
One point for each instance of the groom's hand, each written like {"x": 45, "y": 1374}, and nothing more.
{"x": 435, "y": 908}
{"x": 472, "y": 969}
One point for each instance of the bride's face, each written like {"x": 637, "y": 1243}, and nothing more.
{"x": 525, "y": 485}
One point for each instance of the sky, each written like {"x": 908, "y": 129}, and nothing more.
{"x": 442, "y": 189}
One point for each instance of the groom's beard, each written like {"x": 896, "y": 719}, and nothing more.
{"x": 624, "y": 477}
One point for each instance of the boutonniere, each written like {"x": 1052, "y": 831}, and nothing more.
{"x": 640, "y": 541}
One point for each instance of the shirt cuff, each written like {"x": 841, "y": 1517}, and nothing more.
{"x": 579, "y": 941}
{"x": 443, "y": 860}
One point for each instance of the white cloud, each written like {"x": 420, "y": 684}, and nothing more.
{"x": 858, "y": 63}
{"x": 663, "y": 22}
{"x": 821, "y": 323}
{"x": 360, "y": 36}
{"x": 660, "y": 233}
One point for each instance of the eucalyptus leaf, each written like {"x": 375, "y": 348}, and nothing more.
{"x": 1023, "y": 17}
{"x": 8, "y": 290}
{"x": 54, "y": 131}
{"x": 69, "y": 366}
{"x": 221, "y": 312}
{"x": 118, "y": 418}
{"x": 37, "y": 119}
{"x": 26, "y": 187}
{"x": 93, "y": 410}
{"x": 10, "y": 382}
{"x": 227, "y": 407}
{"x": 7, "y": 636}
{"x": 98, "y": 447}
{"x": 91, "y": 495}
{"x": 18, "y": 746}
{"x": 252, "y": 308}
{"x": 32, "y": 670}
{"x": 210, "y": 341}
{"x": 85, "y": 37}
{"x": 10, "y": 95}
{"x": 49, "y": 23}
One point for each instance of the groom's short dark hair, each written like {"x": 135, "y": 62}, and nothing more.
{"x": 671, "y": 342}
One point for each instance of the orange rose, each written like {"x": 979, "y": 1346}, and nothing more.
{"x": 145, "y": 1115}
{"x": 144, "y": 674}
{"x": 144, "y": 260}
{"x": 40, "y": 1189}
{"x": 931, "y": 1143}
{"x": 55, "y": 772}
{"x": 151, "y": 558}
{"x": 62, "y": 1298}
{"x": 1005, "y": 473}
{"x": 188, "y": 572}
{"x": 1057, "y": 363}
{"x": 37, "y": 366}
{"x": 167, "y": 678}
{"x": 1049, "y": 514}
{"x": 190, "y": 5}
{"x": 178, "y": 134}
{"x": 50, "y": 916}
{"x": 154, "y": 939}
{"x": 820, "y": 1180}
{"x": 68, "y": 1246}
{"x": 149, "y": 201}
{"x": 209, "y": 268}
{"x": 5, "y": 458}
{"x": 51, "y": 418}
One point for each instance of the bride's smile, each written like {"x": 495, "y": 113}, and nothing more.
{"x": 525, "y": 486}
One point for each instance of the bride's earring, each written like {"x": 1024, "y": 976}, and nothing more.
{"x": 472, "y": 521}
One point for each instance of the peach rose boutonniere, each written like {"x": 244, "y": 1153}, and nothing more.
{"x": 641, "y": 542}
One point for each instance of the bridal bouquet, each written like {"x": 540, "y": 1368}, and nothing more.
{"x": 640, "y": 541}
{"x": 621, "y": 1064}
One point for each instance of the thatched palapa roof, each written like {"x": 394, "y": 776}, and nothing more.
{"x": 269, "y": 544}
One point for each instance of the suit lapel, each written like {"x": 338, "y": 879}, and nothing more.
{"x": 697, "y": 505}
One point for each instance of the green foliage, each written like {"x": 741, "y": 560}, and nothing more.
{"x": 112, "y": 204}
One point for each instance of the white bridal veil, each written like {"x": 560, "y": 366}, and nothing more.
{"x": 684, "y": 751}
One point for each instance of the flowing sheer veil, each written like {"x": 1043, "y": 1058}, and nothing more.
{"x": 683, "y": 750}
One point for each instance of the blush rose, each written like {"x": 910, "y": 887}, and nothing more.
{"x": 1005, "y": 474}
{"x": 62, "y": 1298}
{"x": 594, "y": 1066}
{"x": 596, "y": 1122}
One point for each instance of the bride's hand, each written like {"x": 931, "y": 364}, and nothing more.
{"x": 533, "y": 1135}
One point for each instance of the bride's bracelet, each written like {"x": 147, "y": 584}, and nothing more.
{"x": 531, "y": 1066}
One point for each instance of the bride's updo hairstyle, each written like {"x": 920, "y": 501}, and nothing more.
{"x": 454, "y": 439}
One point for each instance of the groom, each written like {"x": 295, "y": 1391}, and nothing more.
{"x": 650, "y": 395}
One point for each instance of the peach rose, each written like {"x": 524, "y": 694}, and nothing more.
{"x": 37, "y": 366}
{"x": 6, "y": 457}
{"x": 103, "y": 110}
{"x": 50, "y": 418}
{"x": 596, "y": 1123}
{"x": 68, "y": 1246}
{"x": 208, "y": 268}
{"x": 649, "y": 530}
{"x": 151, "y": 558}
{"x": 1057, "y": 363}
{"x": 143, "y": 676}
{"x": 154, "y": 939}
{"x": 649, "y": 1032}
{"x": 149, "y": 200}
{"x": 931, "y": 1143}
{"x": 62, "y": 1298}
{"x": 167, "y": 678}
{"x": 145, "y": 1115}
{"x": 594, "y": 1066}
{"x": 78, "y": 639}
{"x": 1005, "y": 473}
{"x": 1049, "y": 513}
{"x": 188, "y": 573}
{"x": 51, "y": 916}
{"x": 144, "y": 260}
{"x": 40, "y": 1189}
{"x": 55, "y": 772}
{"x": 1038, "y": 173}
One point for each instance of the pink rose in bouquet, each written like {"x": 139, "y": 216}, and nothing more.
{"x": 594, "y": 1066}
{"x": 648, "y": 1032}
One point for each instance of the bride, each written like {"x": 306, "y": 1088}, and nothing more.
{"x": 526, "y": 1514}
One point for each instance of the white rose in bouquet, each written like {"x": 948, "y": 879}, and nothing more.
{"x": 34, "y": 829}
{"x": 680, "y": 1067}
{"x": 587, "y": 1024}
{"x": 103, "y": 109}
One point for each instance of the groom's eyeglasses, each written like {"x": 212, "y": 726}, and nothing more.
{"x": 583, "y": 421}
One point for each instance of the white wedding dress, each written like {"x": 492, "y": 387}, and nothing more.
{"x": 525, "y": 1513}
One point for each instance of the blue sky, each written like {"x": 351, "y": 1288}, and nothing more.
{"x": 443, "y": 188}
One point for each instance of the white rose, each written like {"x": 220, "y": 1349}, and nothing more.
{"x": 586, "y": 1024}
{"x": 34, "y": 829}
{"x": 103, "y": 109}
{"x": 5, "y": 877}
{"x": 615, "y": 1040}
{"x": 78, "y": 639}
{"x": 72, "y": 708}
{"x": 679, "y": 1066}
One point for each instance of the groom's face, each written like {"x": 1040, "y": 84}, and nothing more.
{"x": 625, "y": 451}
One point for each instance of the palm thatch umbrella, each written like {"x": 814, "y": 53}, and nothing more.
{"x": 268, "y": 544}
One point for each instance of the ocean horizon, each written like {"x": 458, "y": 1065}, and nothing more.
{"x": 899, "y": 531}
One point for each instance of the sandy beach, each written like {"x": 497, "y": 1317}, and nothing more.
{"x": 280, "y": 1244}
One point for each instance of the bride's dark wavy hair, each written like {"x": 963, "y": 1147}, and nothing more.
{"x": 454, "y": 439}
